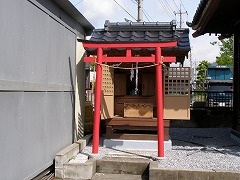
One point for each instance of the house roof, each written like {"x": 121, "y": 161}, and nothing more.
{"x": 216, "y": 16}
{"x": 144, "y": 32}
{"x": 75, "y": 14}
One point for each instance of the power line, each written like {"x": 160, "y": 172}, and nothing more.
{"x": 167, "y": 7}
{"x": 171, "y": 10}
{"x": 146, "y": 14}
{"x": 125, "y": 10}
{"x": 183, "y": 5}
{"x": 78, "y": 2}
{"x": 134, "y": 2}
{"x": 175, "y": 4}
{"x": 166, "y": 10}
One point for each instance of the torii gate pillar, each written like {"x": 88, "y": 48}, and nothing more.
{"x": 159, "y": 101}
{"x": 97, "y": 102}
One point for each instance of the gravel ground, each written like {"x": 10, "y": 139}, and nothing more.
{"x": 193, "y": 148}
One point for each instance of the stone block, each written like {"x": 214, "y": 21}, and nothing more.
{"x": 63, "y": 156}
{"x": 84, "y": 141}
{"x": 193, "y": 174}
{"x": 224, "y": 175}
{"x": 78, "y": 171}
{"x": 156, "y": 173}
{"x": 59, "y": 173}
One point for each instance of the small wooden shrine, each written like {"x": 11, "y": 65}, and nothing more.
{"x": 137, "y": 92}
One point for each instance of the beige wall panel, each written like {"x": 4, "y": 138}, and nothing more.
{"x": 177, "y": 107}
{"x": 107, "y": 107}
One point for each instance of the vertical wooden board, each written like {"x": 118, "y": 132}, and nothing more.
{"x": 107, "y": 100}
{"x": 148, "y": 84}
{"x": 120, "y": 84}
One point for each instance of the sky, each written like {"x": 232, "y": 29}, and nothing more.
{"x": 98, "y": 11}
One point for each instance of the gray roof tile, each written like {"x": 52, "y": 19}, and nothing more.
{"x": 144, "y": 32}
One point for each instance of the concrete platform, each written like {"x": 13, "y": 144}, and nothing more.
{"x": 135, "y": 144}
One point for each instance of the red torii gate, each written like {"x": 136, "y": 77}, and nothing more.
{"x": 157, "y": 58}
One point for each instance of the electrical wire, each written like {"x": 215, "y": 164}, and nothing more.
{"x": 125, "y": 10}
{"x": 176, "y": 5}
{"x": 78, "y": 3}
{"x": 134, "y": 2}
{"x": 166, "y": 10}
{"x": 169, "y": 7}
{"x": 183, "y": 5}
{"x": 146, "y": 15}
{"x": 144, "y": 12}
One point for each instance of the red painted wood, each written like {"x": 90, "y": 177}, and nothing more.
{"x": 159, "y": 96}
{"x": 129, "y": 59}
{"x": 97, "y": 104}
{"x": 129, "y": 45}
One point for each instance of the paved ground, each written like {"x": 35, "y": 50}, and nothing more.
{"x": 193, "y": 148}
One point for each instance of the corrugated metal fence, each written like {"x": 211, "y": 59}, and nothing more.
{"x": 37, "y": 76}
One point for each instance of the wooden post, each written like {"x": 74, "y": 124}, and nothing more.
{"x": 236, "y": 82}
{"x": 97, "y": 104}
{"x": 159, "y": 96}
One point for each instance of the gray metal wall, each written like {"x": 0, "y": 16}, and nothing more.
{"x": 37, "y": 73}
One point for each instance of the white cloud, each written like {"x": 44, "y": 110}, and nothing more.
{"x": 99, "y": 11}
{"x": 203, "y": 50}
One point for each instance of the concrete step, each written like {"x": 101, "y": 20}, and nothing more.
{"x": 101, "y": 176}
{"x": 123, "y": 165}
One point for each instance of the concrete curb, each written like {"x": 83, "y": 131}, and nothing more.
{"x": 116, "y": 165}
{"x": 80, "y": 170}
{"x": 156, "y": 173}
{"x": 62, "y": 157}
{"x": 235, "y": 136}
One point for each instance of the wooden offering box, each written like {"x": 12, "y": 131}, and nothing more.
{"x": 138, "y": 110}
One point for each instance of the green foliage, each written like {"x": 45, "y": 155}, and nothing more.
{"x": 201, "y": 76}
{"x": 93, "y": 66}
{"x": 226, "y": 52}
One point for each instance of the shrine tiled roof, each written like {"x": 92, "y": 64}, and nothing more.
{"x": 144, "y": 32}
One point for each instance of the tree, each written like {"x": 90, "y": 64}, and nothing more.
{"x": 201, "y": 75}
{"x": 226, "y": 52}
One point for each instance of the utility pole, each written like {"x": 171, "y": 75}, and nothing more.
{"x": 180, "y": 13}
{"x": 140, "y": 10}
